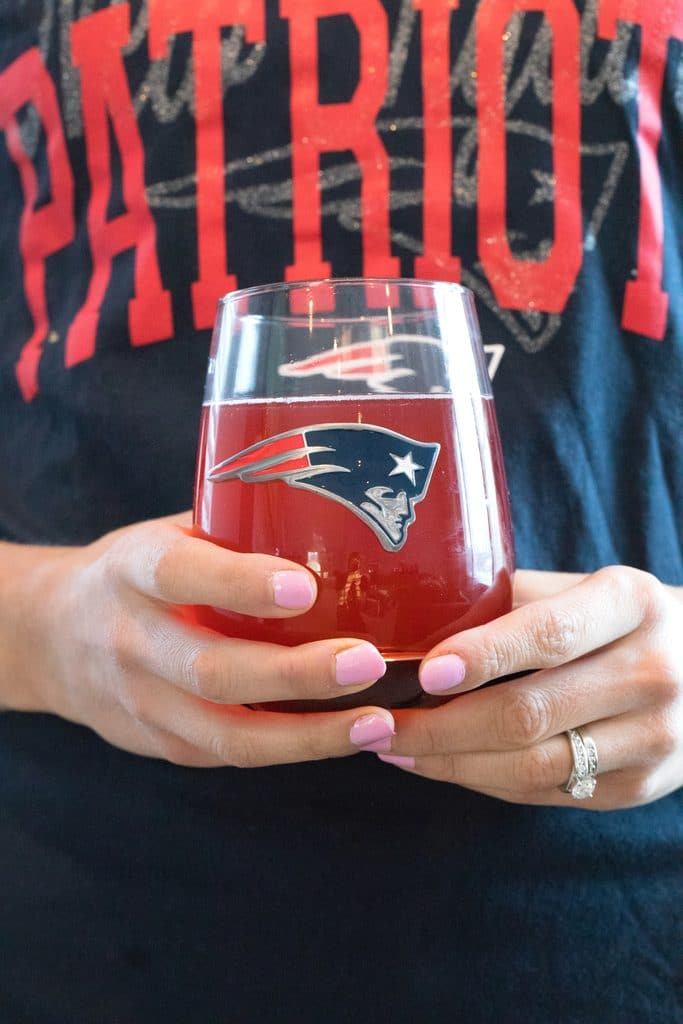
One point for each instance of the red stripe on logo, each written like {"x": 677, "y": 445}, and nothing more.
{"x": 266, "y": 450}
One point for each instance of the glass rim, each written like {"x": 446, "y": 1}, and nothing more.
{"x": 284, "y": 287}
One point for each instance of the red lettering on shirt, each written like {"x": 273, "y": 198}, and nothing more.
{"x": 332, "y": 127}
{"x": 204, "y": 21}
{"x": 96, "y": 43}
{"x": 437, "y": 261}
{"x": 645, "y": 304}
{"x": 48, "y": 229}
{"x": 318, "y": 128}
{"x": 520, "y": 283}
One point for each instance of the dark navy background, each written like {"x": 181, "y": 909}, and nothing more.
{"x": 336, "y": 892}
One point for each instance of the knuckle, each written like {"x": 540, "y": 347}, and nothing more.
{"x": 302, "y": 673}
{"x": 179, "y": 661}
{"x": 146, "y": 555}
{"x": 294, "y": 675}
{"x": 110, "y": 565}
{"x": 652, "y": 595}
{"x": 429, "y": 743}
{"x": 173, "y": 749}
{"x": 237, "y": 757}
{"x": 644, "y": 589}
{"x": 251, "y": 579}
{"x": 121, "y": 646}
{"x": 524, "y": 718}
{"x": 135, "y": 702}
{"x": 446, "y": 769}
{"x": 129, "y": 550}
{"x": 536, "y": 770}
{"x": 665, "y": 737}
{"x": 244, "y": 584}
{"x": 313, "y": 747}
{"x": 554, "y": 635}
{"x": 165, "y": 565}
{"x": 221, "y": 744}
{"x": 209, "y": 678}
{"x": 236, "y": 750}
{"x": 665, "y": 675}
{"x": 499, "y": 656}
{"x": 618, "y": 578}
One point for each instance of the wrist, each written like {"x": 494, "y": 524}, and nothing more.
{"x": 27, "y": 584}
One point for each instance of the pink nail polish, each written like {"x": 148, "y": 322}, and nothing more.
{"x": 373, "y": 732}
{"x": 442, "y": 673}
{"x": 398, "y": 760}
{"x": 292, "y": 589}
{"x": 360, "y": 664}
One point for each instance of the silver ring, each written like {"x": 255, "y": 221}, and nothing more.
{"x": 583, "y": 776}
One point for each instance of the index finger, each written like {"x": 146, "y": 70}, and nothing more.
{"x": 163, "y": 560}
{"x": 596, "y": 611}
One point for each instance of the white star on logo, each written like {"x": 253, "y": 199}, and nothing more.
{"x": 405, "y": 465}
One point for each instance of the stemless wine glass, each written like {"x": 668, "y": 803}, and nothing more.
{"x": 349, "y": 425}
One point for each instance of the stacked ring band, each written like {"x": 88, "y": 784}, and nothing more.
{"x": 583, "y": 777}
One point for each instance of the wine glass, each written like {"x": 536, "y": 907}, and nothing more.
{"x": 349, "y": 425}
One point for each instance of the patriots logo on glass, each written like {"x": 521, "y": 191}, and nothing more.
{"x": 376, "y": 473}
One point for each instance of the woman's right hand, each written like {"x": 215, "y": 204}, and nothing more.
{"x": 96, "y": 635}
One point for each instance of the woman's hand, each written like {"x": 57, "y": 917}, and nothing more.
{"x": 96, "y": 635}
{"x": 602, "y": 653}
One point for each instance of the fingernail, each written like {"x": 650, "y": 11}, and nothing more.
{"x": 359, "y": 664}
{"x": 442, "y": 673}
{"x": 292, "y": 589}
{"x": 373, "y": 732}
{"x": 398, "y": 760}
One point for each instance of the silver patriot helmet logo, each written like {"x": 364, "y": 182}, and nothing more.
{"x": 378, "y": 474}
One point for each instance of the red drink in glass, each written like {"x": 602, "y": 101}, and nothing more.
{"x": 453, "y": 569}
{"x": 348, "y": 426}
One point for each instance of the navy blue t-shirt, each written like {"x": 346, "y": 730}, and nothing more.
{"x": 154, "y": 156}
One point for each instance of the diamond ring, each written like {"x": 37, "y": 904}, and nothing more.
{"x": 582, "y": 779}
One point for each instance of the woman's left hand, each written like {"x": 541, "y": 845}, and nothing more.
{"x": 603, "y": 653}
